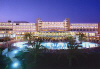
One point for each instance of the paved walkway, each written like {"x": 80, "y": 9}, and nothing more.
{"x": 11, "y": 55}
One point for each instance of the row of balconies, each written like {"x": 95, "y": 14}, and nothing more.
{"x": 7, "y": 29}
{"x": 83, "y": 29}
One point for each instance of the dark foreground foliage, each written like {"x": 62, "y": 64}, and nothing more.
{"x": 5, "y": 62}
{"x": 60, "y": 60}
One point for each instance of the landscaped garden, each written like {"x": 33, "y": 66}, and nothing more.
{"x": 67, "y": 53}
{"x": 73, "y": 56}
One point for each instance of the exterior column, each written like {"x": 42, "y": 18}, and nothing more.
{"x": 87, "y": 36}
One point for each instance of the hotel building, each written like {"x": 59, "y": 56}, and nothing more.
{"x": 17, "y": 29}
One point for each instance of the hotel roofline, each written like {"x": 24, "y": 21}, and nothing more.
{"x": 42, "y": 28}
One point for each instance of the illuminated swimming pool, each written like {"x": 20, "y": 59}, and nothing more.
{"x": 19, "y": 44}
{"x": 57, "y": 45}
{"x": 62, "y": 45}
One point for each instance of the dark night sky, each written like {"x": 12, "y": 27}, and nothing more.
{"x": 81, "y": 11}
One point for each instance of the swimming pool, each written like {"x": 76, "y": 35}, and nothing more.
{"x": 57, "y": 45}
{"x": 61, "y": 45}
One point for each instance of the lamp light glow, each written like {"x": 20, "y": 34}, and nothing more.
{"x": 15, "y": 65}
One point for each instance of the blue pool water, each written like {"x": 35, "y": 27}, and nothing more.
{"x": 59, "y": 45}
{"x": 62, "y": 45}
{"x": 56, "y": 45}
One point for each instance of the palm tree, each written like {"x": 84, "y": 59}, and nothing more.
{"x": 35, "y": 51}
{"x": 0, "y": 51}
{"x": 73, "y": 51}
{"x": 7, "y": 39}
{"x": 28, "y": 36}
{"x": 71, "y": 44}
{"x": 81, "y": 37}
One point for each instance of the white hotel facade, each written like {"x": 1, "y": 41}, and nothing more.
{"x": 49, "y": 29}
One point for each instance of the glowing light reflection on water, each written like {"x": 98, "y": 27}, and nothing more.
{"x": 62, "y": 45}
{"x": 58, "y": 45}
